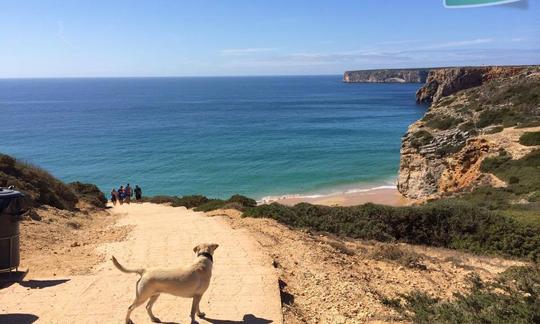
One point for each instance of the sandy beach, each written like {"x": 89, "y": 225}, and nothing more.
{"x": 383, "y": 196}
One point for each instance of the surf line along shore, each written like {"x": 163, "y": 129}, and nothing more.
{"x": 244, "y": 285}
{"x": 384, "y": 195}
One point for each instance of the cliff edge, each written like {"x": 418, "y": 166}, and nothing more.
{"x": 442, "y": 153}
{"x": 386, "y": 76}
{"x": 443, "y": 82}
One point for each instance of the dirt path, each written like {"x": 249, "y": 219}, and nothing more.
{"x": 244, "y": 285}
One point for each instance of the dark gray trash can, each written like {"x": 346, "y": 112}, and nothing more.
{"x": 10, "y": 216}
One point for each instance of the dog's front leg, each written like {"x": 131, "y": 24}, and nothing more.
{"x": 198, "y": 310}
{"x": 195, "y": 308}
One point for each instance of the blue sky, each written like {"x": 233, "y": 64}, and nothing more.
{"x": 257, "y": 37}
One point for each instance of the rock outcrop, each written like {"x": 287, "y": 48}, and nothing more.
{"x": 442, "y": 153}
{"x": 446, "y": 81}
{"x": 386, "y": 76}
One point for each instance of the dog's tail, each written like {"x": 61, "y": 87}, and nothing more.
{"x": 121, "y": 267}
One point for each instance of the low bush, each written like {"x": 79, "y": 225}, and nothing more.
{"x": 446, "y": 223}
{"x": 490, "y": 117}
{"x": 530, "y": 139}
{"x": 399, "y": 255}
{"x": 89, "y": 193}
{"x": 190, "y": 201}
{"x": 443, "y": 123}
{"x": 528, "y": 124}
{"x": 202, "y": 203}
{"x": 238, "y": 202}
{"x": 39, "y": 186}
{"x": 467, "y": 127}
{"x": 492, "y": 163}
{"x": 210, "y": 205}
{"x": 513, "y": 298}
{"x": 421, "y": 138}
{"x": 494, "y": 130}
{"x": 160, "y": 199}
{"x": 522, "y": 176}
{"x": 242, "y": 200}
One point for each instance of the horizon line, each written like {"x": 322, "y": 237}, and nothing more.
{"x": 170, "y": 76}
{"x": 259, "y": 75}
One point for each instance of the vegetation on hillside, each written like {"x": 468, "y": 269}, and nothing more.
{"x": 506, "y": 103}
{"x": 202, "y": 203}
{"x": 498, "y": 102}
{"x": 530, "y": 139}
{"x": 446, "y": 223}
{"x": 513, "y": 298}
{"x": 89, "y": 193}
{"x": 41, "y": 188}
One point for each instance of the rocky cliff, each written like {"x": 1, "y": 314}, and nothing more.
{"x": 442, "y": 153}
{"x": 446, "y": 81}
{"x": 386, "y": 76}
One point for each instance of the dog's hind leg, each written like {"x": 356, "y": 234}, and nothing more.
{"x": 151, "y": 302}
{"x": 139, "y": 300}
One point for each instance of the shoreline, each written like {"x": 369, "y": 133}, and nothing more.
{"x": 383, "y": 195}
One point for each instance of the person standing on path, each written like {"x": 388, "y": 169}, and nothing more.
{"x": 138, "y": 193}
{"x": 114, "y": 196}
{"x": 129, "y": 193}
{"x": 121, "y": 195}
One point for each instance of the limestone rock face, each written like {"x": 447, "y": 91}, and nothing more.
{"x": 442, "y": 153}
{"x": 446, "y": 81}
{"x": 386, "y": 76}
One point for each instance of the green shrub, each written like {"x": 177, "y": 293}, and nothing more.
{"x": 402, "y": 256}
{"x": 89, "y": 193}
{"x": 494, "y": 130}
{"x": 160, "y": 199}
{"x": 525, "y": 172}
{"x": 513, "y": 298}
{"x": 39, "y": 186}
{"x": 190, "y": 201}
{"x": 210, "y": 205}
{"x": 446, "y": 223}
{"x": 467, "y": 127}
{"x": 490, "y": 164}
{"x": 421, "y": 138}
{"x": 443, "y": 122}
{"x": 530, "y": 139}
{"x": 242, "y": 200}
{"x": 202, "y": 203}
{"x": 513, "y": 180}
{"x": 234, "y": 205}
{"x": 533, "y": 123}
{"x": 490, "y": 117}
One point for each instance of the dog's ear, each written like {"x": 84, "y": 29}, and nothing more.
{"x": 213, "y": 247}
{"x": 196, "y": 249}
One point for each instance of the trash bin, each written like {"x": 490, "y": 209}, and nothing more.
{"x": 10, "y": 216}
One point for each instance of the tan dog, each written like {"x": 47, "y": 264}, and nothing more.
{"x": 189, "y": 282}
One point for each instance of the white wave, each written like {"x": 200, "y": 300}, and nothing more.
{"x": 271, "y": 199}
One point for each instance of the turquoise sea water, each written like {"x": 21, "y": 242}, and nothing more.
{"x": 258, "y": 136}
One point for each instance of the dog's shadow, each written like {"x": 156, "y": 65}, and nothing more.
{"x": 247, "y": 319}
{"x": 40, "y": 284}
{"x": 18, "y": 318}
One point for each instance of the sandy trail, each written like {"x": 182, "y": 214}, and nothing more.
{"x": 244, "y": 287}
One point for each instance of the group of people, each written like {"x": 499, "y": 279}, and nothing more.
{"x": 123, "y": 195}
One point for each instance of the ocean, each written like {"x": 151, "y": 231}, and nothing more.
{"x": 217, "y": 136}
